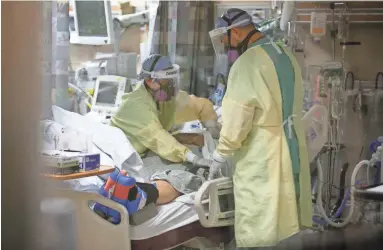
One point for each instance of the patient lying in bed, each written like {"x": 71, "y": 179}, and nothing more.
{"x": 164, "y": 187}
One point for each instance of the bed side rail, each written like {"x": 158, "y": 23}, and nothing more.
{"x": 214, "y": 203}
{"x": 100, "y": 234}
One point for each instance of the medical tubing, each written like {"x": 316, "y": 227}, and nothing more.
{"x": 334, "y": 93}
{"x": 340, "y": 209}
{"x": 80, "y": 90}
{"x": 377, "y": 78}
{"x": 342, "y": 205}
{"x": 377, "y": 174}
{"x": 368, "y": 174}
{"x": 349, "y": 74}
{"x": 319, "y": 221}
{"x": 335, "y": 210}
{"x": 320, "y": 204}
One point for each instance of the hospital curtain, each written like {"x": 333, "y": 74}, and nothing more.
{"x": 182, "y": 32}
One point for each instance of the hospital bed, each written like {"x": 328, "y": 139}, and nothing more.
{"x": 201, "y": 225}
{"x": 201, "y": 220}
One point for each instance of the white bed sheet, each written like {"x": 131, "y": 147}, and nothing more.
{"x": 110, "y": 142}
{"x": 179, "y": 213}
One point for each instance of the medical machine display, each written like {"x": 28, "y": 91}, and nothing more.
{"x": 92, "y": 22}
{"x": 107, "y": 93}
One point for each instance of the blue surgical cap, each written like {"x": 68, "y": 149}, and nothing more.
{"x": 229, "y": 14}
{"x": 155, "y": 62}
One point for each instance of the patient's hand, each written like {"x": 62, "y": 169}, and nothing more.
{"x": 191, "y": 139}
{"x": 166, "y": 192}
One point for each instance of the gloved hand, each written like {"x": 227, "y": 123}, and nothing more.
{"x": 215, "y": 168}
{"x": 201, "y": 162}
{"x": 197, "y": 161}
{"x": 213, "y": 127}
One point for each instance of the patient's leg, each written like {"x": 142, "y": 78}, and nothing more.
{"x": 166, "y": 192}
{"x": 174, "y": 183}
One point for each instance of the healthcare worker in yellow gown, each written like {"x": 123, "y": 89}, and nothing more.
{"x": 262, "y": 131}
{"x": 191, "y": 107}
{"x": 147, "y": 114}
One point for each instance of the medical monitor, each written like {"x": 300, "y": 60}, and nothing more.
{"x": 92, "y": 22}
{"x": 108, "y": 94}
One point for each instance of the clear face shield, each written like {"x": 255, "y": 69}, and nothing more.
{"x": 219, "y": 38}
{"x": 165, "y": 95}
{"x": 167, "y": 81}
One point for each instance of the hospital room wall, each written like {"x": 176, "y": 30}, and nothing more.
{"x": 365, "y": 60}
{"x": 130, "y": 42}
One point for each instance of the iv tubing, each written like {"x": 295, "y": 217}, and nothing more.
{"x": 80, "y": 90}
{"x": 347, "y": 220}
{"x": 343, "y": 204}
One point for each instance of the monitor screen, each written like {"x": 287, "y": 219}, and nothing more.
{"x": 226, "y": 202}
{"x": 107, "y": 93}
{"x": 91, "y": 18}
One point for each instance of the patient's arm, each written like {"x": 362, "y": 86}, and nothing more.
{"x": 166, "y": 192}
